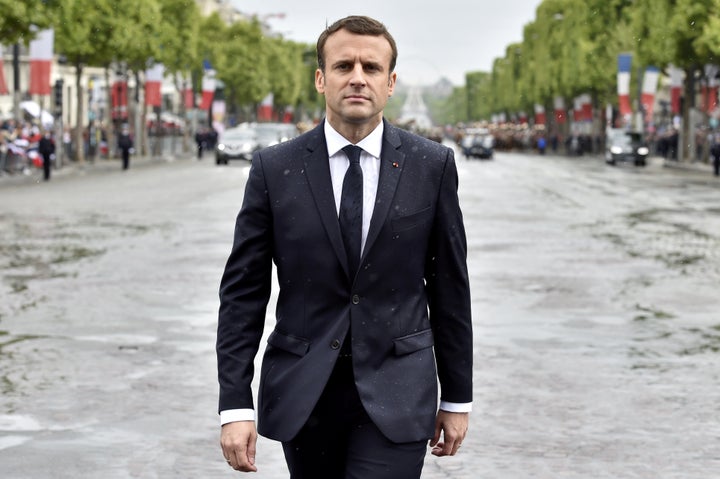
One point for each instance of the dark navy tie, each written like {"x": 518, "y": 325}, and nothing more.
{"x": 351, "y": 208}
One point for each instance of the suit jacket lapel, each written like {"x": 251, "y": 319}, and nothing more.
{"x": 317, "y": 171}
{"x": 392, "y": 161}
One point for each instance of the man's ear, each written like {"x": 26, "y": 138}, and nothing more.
{"x": 320, "y": 81}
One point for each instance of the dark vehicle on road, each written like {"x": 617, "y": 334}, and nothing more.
{"x": 478, "y": 143}
{"x": 236, "y": 143}
{"x": 625, "y": 146}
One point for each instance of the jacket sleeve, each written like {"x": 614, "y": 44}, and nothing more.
{"x": 449, "y": 292}
{"x": 244, "y": 293}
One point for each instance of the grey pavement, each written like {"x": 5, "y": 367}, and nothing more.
{"x": 594, "y": 305}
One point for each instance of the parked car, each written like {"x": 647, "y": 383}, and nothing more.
{"x": 236, "y": 143}
{"x": 478, "y": 143}
{"x": 625, "y": 146}
{"x": 269, "y": 134}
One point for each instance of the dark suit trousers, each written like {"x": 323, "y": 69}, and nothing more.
{"x": 339, "y": 441}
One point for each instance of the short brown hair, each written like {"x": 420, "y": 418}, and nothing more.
{"x": 359, "y": 25}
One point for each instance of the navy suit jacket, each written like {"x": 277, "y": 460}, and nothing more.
{"x": 409, "y": 303}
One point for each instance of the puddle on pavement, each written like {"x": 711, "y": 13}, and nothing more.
{"x": 7, "y": 385}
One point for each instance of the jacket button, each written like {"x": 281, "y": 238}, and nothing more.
{"x": 355, "y": 299}
{"x": 335, "y": 344}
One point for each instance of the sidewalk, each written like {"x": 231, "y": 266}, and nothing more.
{"x": 100, "y": 165}
{"x": 688, "y": 165}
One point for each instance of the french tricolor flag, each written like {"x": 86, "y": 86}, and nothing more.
{"x": 623, "y": 83}
{"x": 188, "y": 93}
{"x": 208, "y": 86}
{"x": 586, "y": 111}
{"x": 41, "y": 58}
{"x": 649, "y": 88}
{"x": 710, "y": 93}
{"x": 559, "y": 105}
{"x": 676, "y": 78}
{"x": 3, "y": 85}
{"x": 265, "y": 110}
{"x": 153, "y": 84}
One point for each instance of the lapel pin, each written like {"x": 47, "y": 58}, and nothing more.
{"x": 395, "y": 164}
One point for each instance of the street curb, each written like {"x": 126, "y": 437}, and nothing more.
{"x": 104, "y": 165}
{"x": 687, "y": 165}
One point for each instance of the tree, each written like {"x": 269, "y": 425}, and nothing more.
{"x": 285, "y": 64}
{"x": 137, "y": 46}
{"x": 243, "y": 64}
{"x": 19, "y": 20}
{"x": 83, "y": 34}
{"x": 179, "y": 38}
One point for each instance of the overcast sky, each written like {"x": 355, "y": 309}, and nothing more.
{"x": 443, "y": 38}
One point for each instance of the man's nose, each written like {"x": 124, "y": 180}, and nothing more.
{"x": 358, "y": 75}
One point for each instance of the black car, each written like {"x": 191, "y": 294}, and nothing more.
{"x": 625, "y": 146}
{"x": 478, "y": 144}
{"x": 236, "y": 143}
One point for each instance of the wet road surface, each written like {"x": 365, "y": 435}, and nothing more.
{"x": 595, "y": 303}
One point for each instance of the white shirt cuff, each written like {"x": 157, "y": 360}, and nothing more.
{"x": 455, "y": 406}
{"x": 234, "y": 415}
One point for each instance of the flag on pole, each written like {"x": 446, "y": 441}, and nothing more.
{"x": 649, "y": 88}
{"x": 711, "y": 91}
{"x": 559, "y": 104}
{"x": 265, "y": 110}
{"x": 208, "y": 86}
{"x": 577, "y": 108}
{"x": 586, "y": 112}
{"x": 623, "y": 83}
{"x": 119, "y": 99}
{"x": 3, "y": 85}
{"x": 41, "y": 57}
{"x": 539, "y": 114}
{"x": 153, "y": 84}
{"x": 676, "y": 75}
{"x": 188, "y": 93}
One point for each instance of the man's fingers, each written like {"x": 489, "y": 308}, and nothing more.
{"x": 238, "y": 441}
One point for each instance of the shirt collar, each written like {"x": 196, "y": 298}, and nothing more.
{"x": 372, "y": 144}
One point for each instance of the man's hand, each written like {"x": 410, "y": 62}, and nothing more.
{"x": 238, "y": 441}
{"x": 453, "y": 426}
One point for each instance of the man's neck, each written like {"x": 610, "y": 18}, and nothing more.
{"x": 355, "y": 133}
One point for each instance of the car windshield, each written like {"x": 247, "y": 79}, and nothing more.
{"x": 238, "y": 135}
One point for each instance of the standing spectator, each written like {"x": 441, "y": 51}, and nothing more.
{"x": 715, "y": 152}
{"x": 200, "y": 140}
{"x": 67, "y": 143}
{"x": 46, "y": 148}
{"x": 125, "y": 144}
{"x": 541, "y": 145}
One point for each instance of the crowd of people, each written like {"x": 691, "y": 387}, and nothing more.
{"x": 20, "y": 146}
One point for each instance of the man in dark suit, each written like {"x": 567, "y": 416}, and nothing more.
{"x": 46, "y": 148}
{"x": 374, "y": 301}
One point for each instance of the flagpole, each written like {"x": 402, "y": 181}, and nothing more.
{"x": 16, "y": 81}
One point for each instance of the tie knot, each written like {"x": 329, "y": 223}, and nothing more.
{"x": 353, "y": 153}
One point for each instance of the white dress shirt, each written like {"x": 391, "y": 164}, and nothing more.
{"x": 339, "y": 163}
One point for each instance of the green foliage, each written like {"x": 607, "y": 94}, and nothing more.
{"x": 178, "y": 35}
{"x": 85, "y": 31}
{"x": 17, "y": 18}
{"x": 242, "y": 64}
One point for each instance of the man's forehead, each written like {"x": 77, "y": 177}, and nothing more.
{"x": 344, "y": 43}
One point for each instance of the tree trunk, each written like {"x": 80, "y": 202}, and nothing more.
{"x": 79, "y": 137}
{"x": 685, "y": 150}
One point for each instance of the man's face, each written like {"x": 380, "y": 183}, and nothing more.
{"x": 357, "y": 81}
